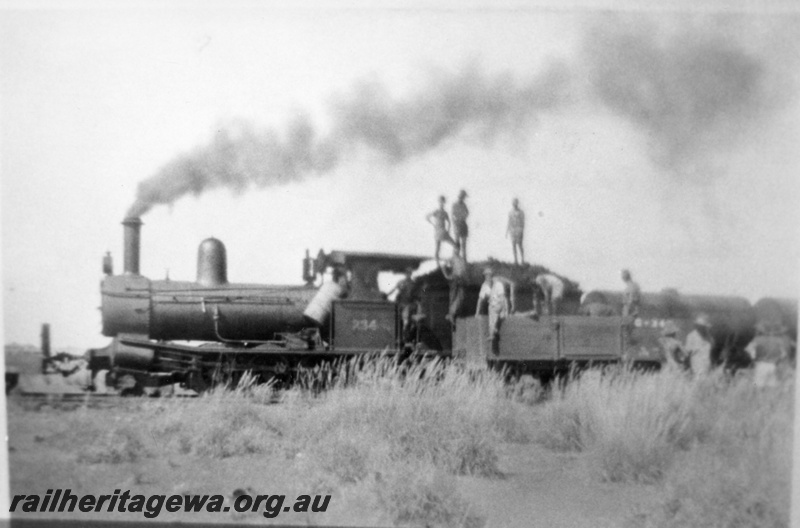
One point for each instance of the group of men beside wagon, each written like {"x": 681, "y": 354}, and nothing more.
{"x": 771, "y": 348}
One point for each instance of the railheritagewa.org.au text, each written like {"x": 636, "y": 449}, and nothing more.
{"x": 151, "y": 506}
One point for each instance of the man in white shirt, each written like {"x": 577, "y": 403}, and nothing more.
{"x": 699, "y": 344}
{"x": 493, "y": 292}
{"x": 771, "y": 347}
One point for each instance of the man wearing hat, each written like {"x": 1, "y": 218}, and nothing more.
{"x": 460, "y": 212}
{"x": 699, "y": 344}
{"x": 493, "y": 291}
{"x": 770, "y": 347}
{"x": 673, "y": 349}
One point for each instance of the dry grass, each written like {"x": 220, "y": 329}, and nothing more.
{"x": 108, "y": 441}
{"x": 720, "y": 447}
{"x": 115, "y": 446}
{"x": 418, "y": 494}
{"x": 408, "y": 432}
{"x": 401, "y": 435}
{"x": 739, "y": 472}
{"x": 628, "y": 422}
{"x": 446, "y": 416}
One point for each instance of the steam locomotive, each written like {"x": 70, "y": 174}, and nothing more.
{"x": 197, "y": 332}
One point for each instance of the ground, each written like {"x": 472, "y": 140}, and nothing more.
{"x": 537, "y": 486}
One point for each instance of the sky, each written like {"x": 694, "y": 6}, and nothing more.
{"x": 664, "y": 142}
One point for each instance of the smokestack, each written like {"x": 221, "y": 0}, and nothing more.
{"x": 133, "y": 225}
{"x": 45, "y": 347}
{"x": 46, "y": 340}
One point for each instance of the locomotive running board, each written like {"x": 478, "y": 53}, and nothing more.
{"x": 209, "y": 350}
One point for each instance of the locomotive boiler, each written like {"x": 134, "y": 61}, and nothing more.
{"x": 208, "y": 309}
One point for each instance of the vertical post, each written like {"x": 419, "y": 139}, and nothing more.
{"x": 46, "y": 340}
{"x": 133, "y": 226}
{"x": 45, "y": 344}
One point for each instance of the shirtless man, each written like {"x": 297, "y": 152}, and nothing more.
{"x": 460, "y": 212}
{"x": 553, "y": 289}
{"x": 516, "y": 229}
{"x": 440, "y": 221}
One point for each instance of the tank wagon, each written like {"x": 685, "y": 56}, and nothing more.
{"x": 193, "y": 332}
{"x": 733, "y": 320}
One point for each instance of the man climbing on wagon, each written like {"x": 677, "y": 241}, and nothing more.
{"x": 552, "y": 288}
{"x": 493, "y": 292}
{"x": 408, "y": 301}
{"x": 456, "y": 272}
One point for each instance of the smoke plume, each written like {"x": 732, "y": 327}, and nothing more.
{"x": 469, "y": 102}
{"x": 692, "y": 90}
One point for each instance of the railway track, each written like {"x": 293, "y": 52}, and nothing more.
{"x": 95, "y": 400}
{"x": 74, "y": 399}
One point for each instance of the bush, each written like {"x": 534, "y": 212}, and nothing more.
{"x": 219, "y": 425}
{"x": 720, "y": 446}
{"x": 629, "y": 423}
{"x": 419, "y": 495}
{"x": 116, "y": 446}
{"x": 397, "y": 435}
{"x": 434, "y": 412}
{"x": 740, "y": 474}
{"x": 406, "y": 433}
{"x": 345, "y": 457}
